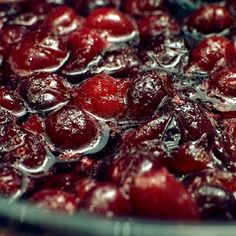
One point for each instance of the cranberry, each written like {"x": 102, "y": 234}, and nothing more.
{"x": 57, "y": 200}
{"x": 158, "y": 194}
{"x": 158, "y": 25}
{"x": 223, "y": 81}
{"x": 26, "y": 19}
{"x": 210, "y": 19}
{"x": 111, "y": 21}
{"x": 102, "y": 95}
{"x": 38, "y": 51}
{"x": 62, "y": 20}
{"x": 79, "y": 128}
{"x": 84, "y": 186}
{"x": 105, "y": 199}
{"x": 137, "y": 7}
{"x": 147, "y": 91}
{"x": 212, "y": 52}
{"x": 10, "y": 180}
{"x": 44, "y": 91}
{"x": 34, "y": 124}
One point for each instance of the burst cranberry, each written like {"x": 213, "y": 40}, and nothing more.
{"x": 158, "y": 25}
{"x": 158, "y": 194}
{"x": 71, "y": 128}
{"x": 210, "y": 19}
{"x": 10, "y": 180}
{"x": 105, "y": 199}
{"x": 102, "y": 95}
{"x": 44, "y": 91}
{"x": 140, "y": 7}
{"x": 146, "y": 93}
{"x": 213, "y": 52}
{"x": 38, "y": 51}
{"x": 223, "y": 81}
{"x": 111, "y": 21}
{"x": 34, "y": 124}
{"x": 62, "y": 20}
{"x": 57, "y": 200}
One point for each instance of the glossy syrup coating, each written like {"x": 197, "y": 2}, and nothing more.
{"x": 119, "y": 107}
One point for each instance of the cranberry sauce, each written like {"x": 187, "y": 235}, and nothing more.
{"x": 119, "y": 107}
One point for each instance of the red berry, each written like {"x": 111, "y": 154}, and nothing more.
{"x": 212, "y": 52}
{"x": 210, "y": 19}
{"x": 57, "y": 200}
{"x": 111, "y": 21}
{"x": 62, "y": 20}
{"x": 84, "y": 186}
{"x": 10, "y": 180}
{"x": 44, "y": 91}
{"x": 105, "y": 199}
{"x": 71, "y": 128}
{"x": 157, "y": 194}
{"x": 34, "y": 124}
{"x": 38, "y": 51}
{"x": 102, "y": 95}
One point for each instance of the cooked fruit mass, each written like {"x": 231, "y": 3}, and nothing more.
{"x": 119, "y": 107}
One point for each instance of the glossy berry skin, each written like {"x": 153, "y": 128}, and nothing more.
{"x": 159, "y": 25}
{"x": 56, "y": 200}
{"x": 111, "y": 21}
{"x": 102, "y": 95}
{"x": 44, "y": 91}
{"x": 62, "y": 20}
{"x": 157, "y": 194}
{"x": 38, "y": 51}
{"x": 223, "y": 82}
{"x": 146, "y": 92}
{"x": 210, "y": 19}
{"x": 10, "y": 180}
{"x": 79, "y": 128}
{"x": 105, "y": 199}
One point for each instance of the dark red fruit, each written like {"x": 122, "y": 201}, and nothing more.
{"x": 105, "y": 199}
{"x": 57, "y": 200}
{"x": 10, "y": 180}
{"x": 71, "y": 128}
{"x": 138, "y": 7}
{"x": 111, "y": 21}
{"x": 212, "y": 52}
{"x": 160, "y": 25}
{"x": 34, "y": 124}
{"x": 44, "y": 91}
{"x": 210, "y": 19}
{"x": 157, "y": 194}
{"x": 84, "y": 186}
{"x": 224, "y": 82}
{"x": 38, "y": 51}
{"x": 147, "y": 91}
{"x": 62, "y": 20}
{"x": 102, "y": 95}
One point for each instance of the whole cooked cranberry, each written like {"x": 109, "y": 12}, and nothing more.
{"x": 44, "y": 91}
{"x": 194, "y": 120}
{"x": 157, "y": 194}
{"x": 138, "y": 7}
{"x": 34, "y": 124}
{"x": 57, "y": 200}
{"x": 10, "y": 180}
{"x": 105, "y": 199}
{"x": 210, "y": 19}
{"x": 62, "y": 20}
{"x": 38, "y": 51}
{"x": 223, "y": 81}
{"x": 10, "y": 102}
{"x": 160, "y": 25}
{"x": 102, "y": 95}
{"x": 212, "y": 52}
{"x": 146, "y": 92}
{"x": 215, "y": 203}
{"x": 190, "y": 158}
{"x": 111, "y": 21}
{"x": 85, "y": 7}
{"x": 71, "y": 128}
